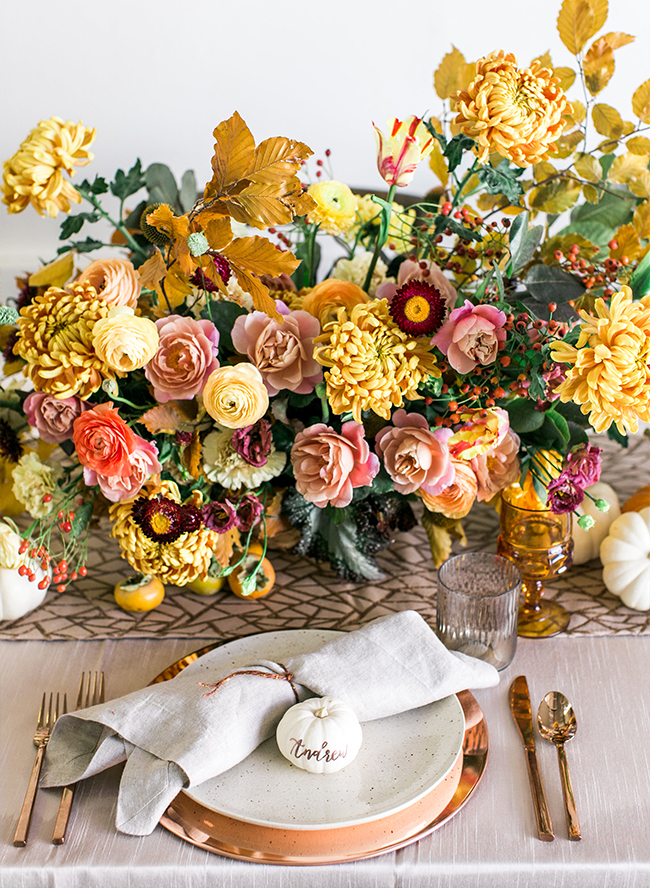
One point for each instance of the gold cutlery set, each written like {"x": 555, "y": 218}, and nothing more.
{"x": 91, "y": 692}
{"x": 557, "y": 723}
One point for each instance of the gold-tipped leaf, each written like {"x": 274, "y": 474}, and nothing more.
{"x": 448, "y": 74}
{"x": 576, "y": 23}
{"x": 598, "y": 66}
{"x": 54, "y": 274}
{"x": 641, "y": 102}
{"x": 566, "y": 77}
{"x": 607, "y": 121}
{"x": 638, "y": 145}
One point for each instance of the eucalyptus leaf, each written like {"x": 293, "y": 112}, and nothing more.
{"x": 188, "y": 192}
{"x": 547, "y": 283}
{"x": 523, "y": 242}
{"x": 161, "y": 184}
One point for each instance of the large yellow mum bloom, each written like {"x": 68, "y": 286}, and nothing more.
{"x": 516, "y": 112}
{"x": 610, "y": 372}
{"x": 373, "y": 364}
{"x": 35, "y": 173}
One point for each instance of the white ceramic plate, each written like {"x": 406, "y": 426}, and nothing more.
{"x": 402, "y": 758}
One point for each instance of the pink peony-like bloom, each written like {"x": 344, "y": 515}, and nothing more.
{"x": 328, "y": 465}
{"x": 471, "y": 335}
{"x": 186, "y": 356}
{"x": 498, "y": 468}
{"x": 52, "y": 417}
{"x": 415, "y": 457}
{"x": 143, "y": 462}
{"x": 282, "y": 352}
{"x": 426, "y": 271}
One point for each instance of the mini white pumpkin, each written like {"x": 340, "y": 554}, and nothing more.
{"x": 320, "y": 735}
{"x": 586, "y": 543}
{"x": 625, "y": 554}
{"x": 18, "y": 595}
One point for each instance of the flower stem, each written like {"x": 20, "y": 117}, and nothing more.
{"x": 381, "y": 237}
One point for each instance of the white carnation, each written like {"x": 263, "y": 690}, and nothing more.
{"x": 225, "y": 466}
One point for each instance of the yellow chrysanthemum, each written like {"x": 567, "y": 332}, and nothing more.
{"x": 55, "y": 338}
{"x": 35, "y": 173}
{"x": 335, "y": 206}
{"x": 610, "y": 376}
{"x": 373, "y": 364}
{"x": 179, "y": 563}
{"x": 516, "y": 112}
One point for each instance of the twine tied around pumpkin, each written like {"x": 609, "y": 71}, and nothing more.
{"x": 281, "y": 676}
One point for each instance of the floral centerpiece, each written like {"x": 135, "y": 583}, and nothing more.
{"x": 207, "y": 386}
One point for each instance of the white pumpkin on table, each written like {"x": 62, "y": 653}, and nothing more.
{"x": 586, "y": 543}
{"x": 320, "y": 735}
{"x": 625, "y": 553}
{"x": 18, "y": 594}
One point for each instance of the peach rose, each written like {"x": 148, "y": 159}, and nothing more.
{"x": 414, "y": 456}
{"x": 426, "y": 271}
{"x": 324, "y": 300}
{"x": 143, "y": 462}
{"x": 124, "y": 341}
{"x": 116, "y": 281}
{"x": 498, "y": 468}
{"x": 236, "y": 397}
{"x": 282, "y": 352}
{"x": 472, "y": 335}
{"x": 328, "y": 466}
{"x": 457, "y": 499}
{"x": 186, "y": 356}
{"x": 103, "y": 441}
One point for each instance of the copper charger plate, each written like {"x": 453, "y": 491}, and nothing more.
{"x": 239, "y": 840}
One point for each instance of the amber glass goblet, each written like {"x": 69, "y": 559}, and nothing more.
{"x": 539, "y": 542}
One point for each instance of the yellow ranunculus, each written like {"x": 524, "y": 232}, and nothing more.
{"x": 236, "y": 397}
{"x": 123, "y": 341}
{"x": 336, "y": 207}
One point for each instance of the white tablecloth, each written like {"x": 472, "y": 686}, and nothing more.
{"x": 491, "y": 843}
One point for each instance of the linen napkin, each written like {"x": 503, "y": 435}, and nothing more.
{"x": 172, "y": 735}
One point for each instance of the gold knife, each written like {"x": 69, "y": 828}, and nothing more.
{"x": 520, "y": 709}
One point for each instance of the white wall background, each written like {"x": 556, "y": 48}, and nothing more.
{"x": 155, "y": 78}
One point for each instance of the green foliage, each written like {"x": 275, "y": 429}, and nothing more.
{"x": 73, "y": 224}
{"x": 81, "y": 519}
{"x": 125, "y": 184}
{"x": 85, "y": 246}
{"x": 161, "y": 184}
{"x": 98, "y": 186}
{"x": 283, "y": 436}
{"x": 223, "y": 315}
{"x": 300, "y": 277}
{"x": 611, "y": 211}
{"x": 188, "y": 191}
{"x": 502, "y": 180}
{"x": 455, "y": 149}
{"x": 640, "y": 280}
{"x": 523, "y": 242}
{"x": 523, "y": 416}
{"x": 462, "y": 232}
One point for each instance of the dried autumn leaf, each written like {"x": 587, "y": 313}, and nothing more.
{"x": 259, "y": 256}
{"x": 566, "y": 145}
{"x": 234, "y": 154}
{"x": 172, "y": 291}
{"x": 152, "y": 271}
{"x": 277, "y": 160}
{"x": 617, "y": 39}
{"x": 438, "y": 164}
{"x": 54, "y": 274}
{"x": 576, "y": 23}
{"x": 628, "y": 244}
{"x": 554, "y": 197}
{"x": 641, "y": 102}
{"x": 192, "y": 457}
{"x": 566, "y": 77}
{"x": 588, "y": 167}
{"x": 218, "y": 231}
{"x": 258, "y": 291}
{"x": 638, "y": 145}
{"x": 598, "y": 66}
{"x": 627, "y": 167}
{"x": 446, "y": 76}
{"x": 177, "y": 229}
{"x": 591, "y": 194}
{"x": 640, "y": 185}
{"x": 607, "y": 120}
{"x": 223, "y": 546}
{"x": 641, "y": 220}
{"x": 164, "y": 418}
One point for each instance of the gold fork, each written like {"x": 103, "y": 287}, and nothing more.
{"x": 46, "y": 720}
{"x": 97, "y": 696}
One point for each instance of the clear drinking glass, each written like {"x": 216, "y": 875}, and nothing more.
{"x": 478, "y": 599}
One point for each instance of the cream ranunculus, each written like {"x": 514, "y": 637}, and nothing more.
{"x": 124, "y": 341}
{"x": 236, "y": 396}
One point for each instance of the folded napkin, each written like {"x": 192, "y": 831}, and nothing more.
{"x": 172, "y": 735}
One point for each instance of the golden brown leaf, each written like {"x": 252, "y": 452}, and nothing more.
{"x": 218, "y": 232}
{"x": 192, "y": 457}
{"x": 576, "y": 23}
{"x": 223, "y": 546}
{"x": 607, "y": 120}
{"x": 591, "y": 194}
{"x": 172, "y": 291}
{"x": 564, "y": 242}
{"x": 641, "y": 220}
{"x": 598, "y": 66}
{"x": 627, "y": 167}
{"x": 641, "y": 102}
{"x": 566, "y": 145}
{"x": 638, "y": 145}
{"x": 616, "y": 39}
{"x": 438, "y": 164}
{"x": 152, "y": 271}
{"x": 277, "y": 160}
{"x": 566, "y": 77}
{"x": 259, "y": 256}
{"x": 258, "y": 291}
{"x": 54, "y": 274}
{"x": 628, "y": 244}
{"x": 588, "y": 167}
{"x": 446, "y": 76}
{"x": 554, "y": 197}
{"x": 234, "y": 154}
{"x": 177, "y": 229}
{"x": 164, "y": 418}
{"x": 301, "y": 204}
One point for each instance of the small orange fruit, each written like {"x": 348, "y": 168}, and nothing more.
{"x": 139, "y": 593}
{"x": 265, "y": 577}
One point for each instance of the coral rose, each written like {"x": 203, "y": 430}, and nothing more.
{"x": 414, "y": 456}
{"x": 124, "y": 341}
{"x": 236, "y": 397}
{"x": 186, "y": 356}
{"x": 457, "y": 499}
{"x": 143, "y": 462}
{"x": 52, "y": 417}
{"x": 471, "y": 335}
{"x": 115, "y": 280}
{"x": 498, "y": 468}
{"x": 328, "y": 466}
{"x": 324, "y": 300}
{"x": 103, "y": 441}
{"x": 426, "y": 271}
{"x": 282, "y": 352}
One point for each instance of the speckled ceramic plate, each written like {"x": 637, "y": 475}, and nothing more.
{"x": 403, "y": 759}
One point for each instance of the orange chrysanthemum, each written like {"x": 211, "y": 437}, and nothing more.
{"x": 610, "y": 376}
{"x": 35, "y": 173}
{"x": 516, "y": 112}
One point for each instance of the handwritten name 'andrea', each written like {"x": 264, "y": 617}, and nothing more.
{"x": 298, "y": 750}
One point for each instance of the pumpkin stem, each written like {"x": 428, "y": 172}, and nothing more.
{"x": 321, "y": 713}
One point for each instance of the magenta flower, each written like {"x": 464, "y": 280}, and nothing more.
{"x": 582, "y": 465}
{"x": 218, "y": 516}
{"x": 471, "y": 335}
{"x": 415, "y": 457}
{"x": 248, "y": 513}
{"x": 564, "y": 495}
{"x": 254, "y": 443}
{"x": 186, "y": 356}
{"x": 52, "y": 417}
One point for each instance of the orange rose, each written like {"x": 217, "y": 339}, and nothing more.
{"x": 325, "y": 299}
{"x": 457, "y": 499}
{"x": 103, "y": 441}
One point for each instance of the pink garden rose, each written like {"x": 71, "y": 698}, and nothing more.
{"x": 328, "y": 466}
{"x": 415, "y": 457}
{"x": 282, "y": 352}
{"x": 471, "y": 335}
{"x": 186, "y": 356}
{"x": 498, "y": 468}
{"x": 52, "y": 417}
{"x": 427, "y": 271}
{"x": 143, "y": 462}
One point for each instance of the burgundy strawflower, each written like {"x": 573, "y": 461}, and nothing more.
{"x": 8, "y": 351}
{"x": 248, "y": 514}
{"x": 219, "y": 516}
{"x": 253, "y": 443}
{"x": 564, "y": 495}
{"x": 221, "y": 265}
{"x": 26, "y": 294}
{"x": 582, "y": 465}
{"x": 191, "y": 517}
{"x": 183, "y": 438}
{"x": 164, "y": 521}
{"x": 418, "y": 308}
{"x": 203, "y": 282}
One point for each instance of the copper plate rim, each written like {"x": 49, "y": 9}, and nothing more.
{"x": 475, "y": 756}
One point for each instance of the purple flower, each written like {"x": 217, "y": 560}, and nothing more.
{"x": 582, "y": 465}
{"x": 253, "y": 443}
{"x": 52, "y": 417}
{"x": 564, "y": 495}
{"x": 553, "y": 379}
{"x": 218, "y": 516}
{"x": 248, "y": 513}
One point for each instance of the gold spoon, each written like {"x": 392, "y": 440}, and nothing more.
{"x": 557, "y": 722}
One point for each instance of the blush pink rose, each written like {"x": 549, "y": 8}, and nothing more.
{"x": 427, "y": 271}
{"x": 52, "y": 417}
{"x": 282, "y": 352}
{"x": 472, "y": 335}
{"x": 328, "y": 466}
{"x": 498, "y": 468}
{"x": 143, "y": 462}
{"x": 186, "y": 356}
{"x": 415, "y": 457}
{"x": 103, "y": 441}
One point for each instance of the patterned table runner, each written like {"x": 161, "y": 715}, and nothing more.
{"x": 308, "y": 594}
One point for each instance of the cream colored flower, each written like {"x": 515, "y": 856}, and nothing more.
{"x": 356, "y": 269}
{"x": 35, "y": 173}
{"x": 223, "y": 465}
{"x": 610, "y": 372}
{"x": 516, "y": 112}
{"x": 123, "y": 341}
{"x": 115, "y": 280}
{"x": 335, "y": 206}
{"x": 236, "y": 397}
{"x": 10, "y": 542}
{"x": 32, "y": 481}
